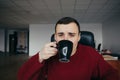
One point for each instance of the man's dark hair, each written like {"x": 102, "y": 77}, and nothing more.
{"x": 67, "y": 20}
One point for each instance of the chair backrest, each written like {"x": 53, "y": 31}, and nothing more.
{"x": 87, "y": 38}
{"x": 52, "y": 38}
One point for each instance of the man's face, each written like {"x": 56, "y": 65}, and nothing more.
{"x": 68, "y": 32}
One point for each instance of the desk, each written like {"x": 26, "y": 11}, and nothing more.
{"x": 112, "y": 54}
{"x": 115, "y": 64}
{"x": 113, "y": 61}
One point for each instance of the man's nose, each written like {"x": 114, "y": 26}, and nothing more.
{"x": 66, "y": 37}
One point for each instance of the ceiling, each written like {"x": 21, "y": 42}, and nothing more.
{"x": 23, "y": 12}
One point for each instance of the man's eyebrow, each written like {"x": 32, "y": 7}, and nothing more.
{"x": 72, "y": 33}
{"x": 60, "y": 33}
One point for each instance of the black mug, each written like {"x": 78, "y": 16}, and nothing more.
{"x": 65, "y": 49}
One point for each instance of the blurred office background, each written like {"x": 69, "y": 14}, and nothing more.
{"x": 26, "y": 25}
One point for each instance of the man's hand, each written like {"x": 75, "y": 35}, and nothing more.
{"x": 48, "y": 51}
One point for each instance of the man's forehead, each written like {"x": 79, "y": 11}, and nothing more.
{"x": 68, "y": 26}
{"x": 67, "y": 29}
{"x": 71, "y": 27}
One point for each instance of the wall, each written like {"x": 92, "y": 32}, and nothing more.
{"x": 2, "y": 39}
{"x": 111, "y": 34}
{"x": 41, "y": 33}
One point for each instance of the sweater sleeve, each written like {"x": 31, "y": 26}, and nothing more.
{"x": 104, "y": 71}
{"x": 32, "y": 69}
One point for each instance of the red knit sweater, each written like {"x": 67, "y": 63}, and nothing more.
{"x": 85, "y": 64}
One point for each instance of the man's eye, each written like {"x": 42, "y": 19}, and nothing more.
{"x": 72, "y": 35}
{"x": 60, "y": 35}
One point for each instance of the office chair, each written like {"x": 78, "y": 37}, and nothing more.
{"x": 52, "y": 38}
{"x": 99, "y": 47}
{"x": 87, "y": 38}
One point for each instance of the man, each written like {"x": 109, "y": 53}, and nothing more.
{"x": 85, "y": 63}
